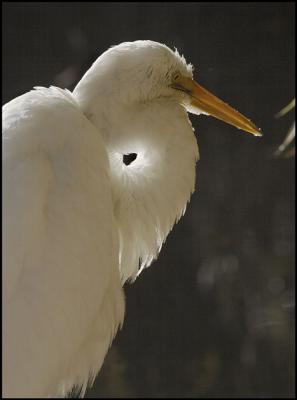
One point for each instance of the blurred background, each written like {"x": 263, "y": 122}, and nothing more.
{"x": 214, "y": 316}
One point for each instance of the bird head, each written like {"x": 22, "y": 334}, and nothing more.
{"x": 144, "y": 70}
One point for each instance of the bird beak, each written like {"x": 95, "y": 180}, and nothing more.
{"x": 201, "y": 100}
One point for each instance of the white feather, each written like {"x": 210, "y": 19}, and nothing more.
{"x": 77, "y": 221}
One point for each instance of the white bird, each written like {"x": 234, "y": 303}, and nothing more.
{"x": 93, "y": 182}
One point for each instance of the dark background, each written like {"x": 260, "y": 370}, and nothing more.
{"x": 214, "y": 315}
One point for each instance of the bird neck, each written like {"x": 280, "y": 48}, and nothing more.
{"x": 149, "y": 194}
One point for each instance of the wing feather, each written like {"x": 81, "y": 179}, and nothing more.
{"x": 62, "y": 294}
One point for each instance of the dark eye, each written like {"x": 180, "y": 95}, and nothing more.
{"x": 129, "y": 158}
{"x": 176, "y": 76}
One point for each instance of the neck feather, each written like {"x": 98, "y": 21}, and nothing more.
{"x": 150, "y": 194}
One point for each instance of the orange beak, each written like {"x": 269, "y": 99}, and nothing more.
{"x": 201, "y": 100}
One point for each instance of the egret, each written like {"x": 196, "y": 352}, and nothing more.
{"x": 93, "y": 182}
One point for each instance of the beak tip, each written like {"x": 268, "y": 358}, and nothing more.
{"x": 253, "y": 129}
{"x": 258, "y": 133}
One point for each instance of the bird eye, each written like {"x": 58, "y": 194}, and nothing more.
{"x": 129, "y": 158}
{"x": 176, "y": 76}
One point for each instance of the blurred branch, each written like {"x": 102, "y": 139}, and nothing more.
{"x": 281, "y": 151}
{"x": 286, "y": 109}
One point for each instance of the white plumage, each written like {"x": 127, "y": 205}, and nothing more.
{"x": 78, "y": 221}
